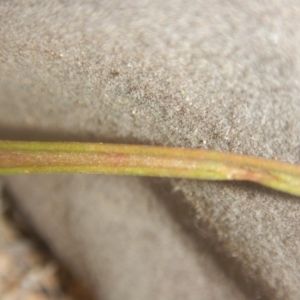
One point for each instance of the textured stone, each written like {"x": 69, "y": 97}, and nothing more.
{"x": 214, "y": 75}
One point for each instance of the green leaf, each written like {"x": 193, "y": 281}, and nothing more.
{"x": 46, "y": 157}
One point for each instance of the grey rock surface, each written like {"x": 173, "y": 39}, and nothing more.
{"x": 214, "y": 75}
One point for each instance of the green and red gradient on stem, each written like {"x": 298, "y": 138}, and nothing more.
{"x": 46, "y": 157}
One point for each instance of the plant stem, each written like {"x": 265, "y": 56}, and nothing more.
{"x": 46, "y": 157}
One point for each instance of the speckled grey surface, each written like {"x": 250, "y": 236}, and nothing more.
{"x": 215, "y": 75}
